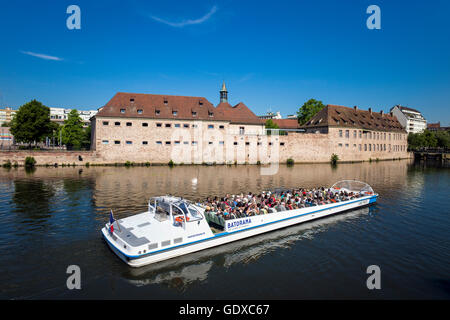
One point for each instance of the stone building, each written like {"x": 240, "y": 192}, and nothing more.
{"x": 159, "y": 128}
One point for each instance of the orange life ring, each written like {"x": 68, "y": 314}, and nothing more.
{"x": 179, "y": 219}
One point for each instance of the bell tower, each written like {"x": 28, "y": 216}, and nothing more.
{"x": 223, "y": 93}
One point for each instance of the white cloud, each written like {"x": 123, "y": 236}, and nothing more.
{"x": 187, "y": 22}
{"x": 42, "y": 56}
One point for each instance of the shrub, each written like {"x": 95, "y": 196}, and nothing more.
{"x": 334, "y": 158}
{"x": 30, "y": 162}
{"x": 87, "y": 164}
{"x": 258, "y": 163}
{"x": 7, "y": 164}
{"x": 147, "y": 164}
{"x": 15, "y": 164}
{"x": 128, "y": 164}
{"x": 171, "y": 164}
{"x": 290, "y": 162}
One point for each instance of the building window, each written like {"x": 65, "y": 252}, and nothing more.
{"x": 235, "y": 143}
{"x": 168, "y": 125}
{"x": 340, "y": 133}
{"x": 185, "y": 142}
{"x": 145, "y": 142}
{"x": 185, "y": 125}
{"x": 105, "y": 141}
{"x": 129, "y": 124}
{"x": 145, "y": 124}
{"x": 194, "y": 143}
{"x": 281, "y": 143}
{"x": 174, "y": 113}
{"x": 116, "y": 142}
{"x": 247, "y": 143}
{"x": 177, "y": 142}
{"x": 210, "y": 126}
{"x": 354, "y": 134}
{"x": 200, "y": 102}
{"x": 370, "y": 147}
{"x": 117, "y": 123}
{"x": 210, "y": 114}
{"x": 159, "y": 125}
{"x": 167, "y": 142}
{"x": 159, "y": 142}
{"x": 176, "y": 125}
{"x": 340, "y": 145}
{"x": 165, "y": 101}
{"x": 221, "y": 127}
{"x": 360, "y": 134}
{"x": 194, "y": 126}
{"x": 157, "y": 112}
{"x": 140, "y": 111}
{"x": 210, "y": 142}
{"x": 105, "y": 123}
{"x": 359, "y": 147}
{"x": 365, "y": 147}
{"x": 221, "y": 142}
{"x": 122, "y": 110}
{"x": 129, "y": 142}
{"x": 241, "y": 130}
{"x": 194, "y": 114}
{"x": 346, "y": 145}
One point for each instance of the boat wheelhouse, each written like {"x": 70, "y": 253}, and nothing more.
{"x": 173, "y": 226}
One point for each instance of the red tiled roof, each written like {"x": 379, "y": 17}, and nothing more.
{"x": 240, "y": 113}
{"x": 340, "y": 116}
{"x": 286, "y": 123}
{"x": 434, "y": 125}
{"x": 157, "y": 106}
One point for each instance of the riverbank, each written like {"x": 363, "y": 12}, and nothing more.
{"x": 54, "y": 158}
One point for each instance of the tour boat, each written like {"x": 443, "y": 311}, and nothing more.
{"x": 173, "y": 226}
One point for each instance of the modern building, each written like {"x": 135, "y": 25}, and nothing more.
{"x": 158, "y": 128}
{"x": 271, "y": 115}
{"x": 59, "y": 115}
{"x": 411, "y": 119}
{"x": 6, "y": 115}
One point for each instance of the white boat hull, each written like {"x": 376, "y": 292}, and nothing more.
{"x": 259, "y": 225}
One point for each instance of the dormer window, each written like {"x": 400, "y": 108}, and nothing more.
{"x": 174, "y": 113}
{"x": 211, "y": 114}
{"x": 140, "y": 111}
{"x": 157, "y": 112}
{"x": 132, "y": 100}
{"x": 200, "y": 103}
{"x": 122, "y": 110}
{"x": 194, "y": 113}
{"x": 165, "y": 102}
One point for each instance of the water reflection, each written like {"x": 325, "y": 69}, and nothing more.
{"x": 179, "y": 273}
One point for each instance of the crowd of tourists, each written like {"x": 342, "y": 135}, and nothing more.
{"x": 239, "y": 206}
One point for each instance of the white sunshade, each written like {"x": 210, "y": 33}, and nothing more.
{"x": 352, "y": 186}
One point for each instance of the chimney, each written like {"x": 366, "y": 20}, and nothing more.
{"x": 391, "y": 114}
{"x": 381, "y": 112}
{"x": 370, "y": 110}
{"x": 355, "y": 107}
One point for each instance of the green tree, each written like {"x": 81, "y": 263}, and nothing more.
{"x": 31, "y": 123}
{"x": 271, "y": 125}
{"x": 73, "y": 134}
{"x": 309, "y": 110}
{"x": 443, "y": 139}
{"x": 87, "y": 137}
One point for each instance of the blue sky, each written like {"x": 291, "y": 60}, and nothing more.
{"x": 272, "y": 54}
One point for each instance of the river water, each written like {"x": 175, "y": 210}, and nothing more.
{"x": 51, "y": 218}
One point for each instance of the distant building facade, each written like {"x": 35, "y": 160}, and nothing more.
{"x": 437, "y": 127}
{"x": 6, "y": 115}
{"x": 59, "y": 115}
{"x": 411, "y": 119}
{"x": 6, "y": 138}
{"x": 271, "y": 115}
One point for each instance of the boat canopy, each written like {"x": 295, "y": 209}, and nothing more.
{"x": 353, "y": 186}
{"x": 164, "y": 206}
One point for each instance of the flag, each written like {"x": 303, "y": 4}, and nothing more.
{"x": 111, "y": 221}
